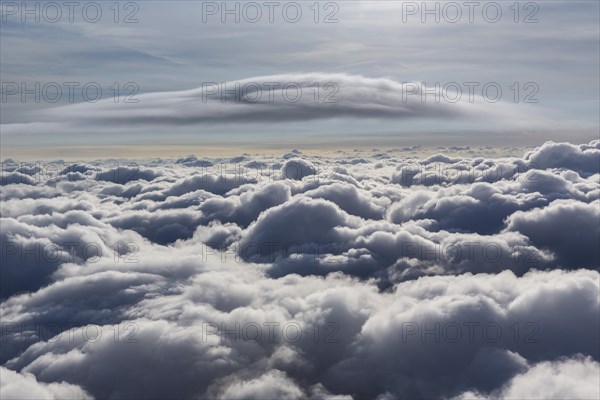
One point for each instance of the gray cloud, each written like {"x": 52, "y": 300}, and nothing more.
{"x": 398, "y": 286}
{"x": 286, "y": 97}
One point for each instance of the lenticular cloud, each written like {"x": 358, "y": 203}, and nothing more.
{"x": 286, "y": 98}
{"x": 365, "y": 275}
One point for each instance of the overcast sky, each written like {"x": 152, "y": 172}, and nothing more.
{"x": 179, "y": 46}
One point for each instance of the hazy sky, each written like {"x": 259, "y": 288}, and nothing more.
{"x": 366, "y": 57}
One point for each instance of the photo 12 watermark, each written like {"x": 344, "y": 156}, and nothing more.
{"x": 470, "y": 91}
{"x": 453, "y": 12}
{"x": 270, "y": 92}
{"x": 252, "y": 12}
{"x": 68, "y": 92}
{"x": 54, "y": 12}
{"x": 270, "y": 332}
{"x": 71, "y": 332}
{"x": 19, "y": 253}
{"x": 469, "y": 332}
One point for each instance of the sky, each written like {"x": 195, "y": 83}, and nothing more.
{"x": 543, "y": 57}
{"x": 330, "y": 200}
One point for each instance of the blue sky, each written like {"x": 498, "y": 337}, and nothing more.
{"x": 171, "y": 49}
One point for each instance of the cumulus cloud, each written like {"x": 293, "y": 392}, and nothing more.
{"x": 569, "y": 228}
{"x": 274, "y": 384}
{"x": 14, "y": 385}
{"x": 585, "y": 158}
{"x": 577, "y": 378}
{"x": 370, "y": 276}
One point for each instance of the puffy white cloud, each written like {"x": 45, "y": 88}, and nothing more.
{"x": 297, "y": 169}
{"x": 428, "y": 338}
{"x": 350, "y": 199}
{"x": 274, "y": 384}
{"x": 571, "y": 229}
{"x": 584, "y": 158}
{"x": 14, "y": 385}
{"x": 576, "y": 378}
{"x": 362, "y": 276}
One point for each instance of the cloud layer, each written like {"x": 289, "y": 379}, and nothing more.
{"x": 290, "y": 97}
{"x": 372, "y": 276}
